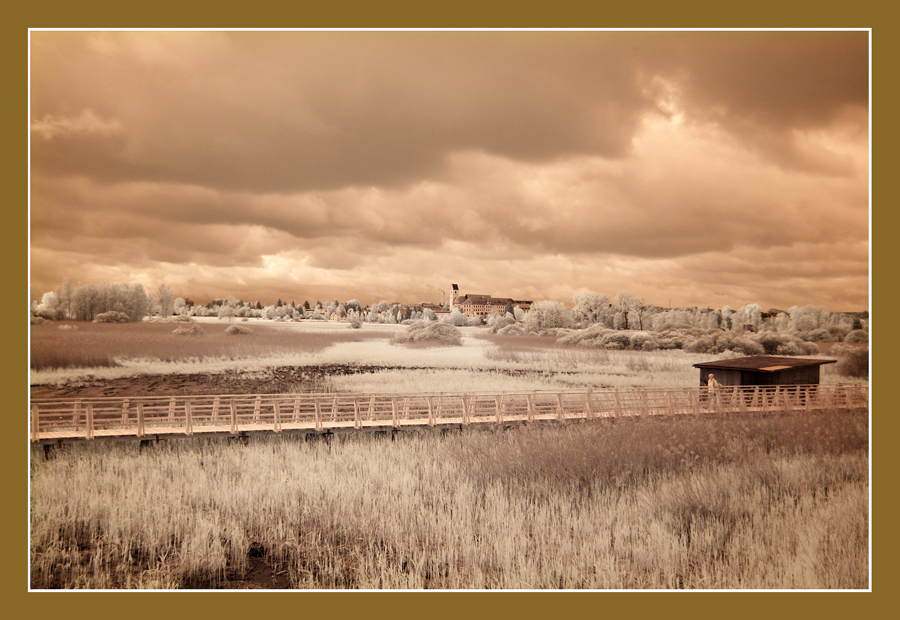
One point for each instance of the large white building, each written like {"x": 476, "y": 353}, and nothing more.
{"x": 482, "y": 305}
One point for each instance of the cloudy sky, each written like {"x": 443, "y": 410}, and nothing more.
{"x": 690, "y": 168}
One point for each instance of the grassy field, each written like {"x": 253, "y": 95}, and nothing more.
{"x": 698, "y": 502}
{"x": 735, "y": 503}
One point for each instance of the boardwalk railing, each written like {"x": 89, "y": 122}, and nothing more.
{"x": 54, "y": 420}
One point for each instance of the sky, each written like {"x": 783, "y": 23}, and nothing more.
{"x": 697, "y": 168}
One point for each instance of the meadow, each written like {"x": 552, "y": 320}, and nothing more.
{"x": 698, "y": 502}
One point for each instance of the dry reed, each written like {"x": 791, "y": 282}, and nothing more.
{"x": 774, "y": 502}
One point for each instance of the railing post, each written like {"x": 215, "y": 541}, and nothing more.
{"x": 188, "y": 421}
{"x": 257, "y": 405}
{"x": 560, "y": 408}
{"x": 89, "y": 431}
{"x": 140, "y": 419}
{"x": 499, "y": 399}
{"x": 430, "y": 411}
{"x": 234, "y": 428}
{"x": 215, "y": 411}
{"x": 588, "y": 404}
{"x": 357, "y": 423}
{"x": 394, "y": 412}
{"x": 530, "y": 398}
{"x": 618, "y": 409}
{"x": 125, "y": 404}
{"x": 465, "y": 409}
{"x": 318, "y": 416}
{"x": 277, "y": 408}
{"x": 35, "y": 422}
{"x": 172, "y": 412}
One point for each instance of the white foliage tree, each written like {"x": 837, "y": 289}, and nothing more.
{"x": 165, "y": 300}
{"x": 548, "y": 315}
{"x": 590, "y": 306}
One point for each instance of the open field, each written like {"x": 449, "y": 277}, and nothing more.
{"x": 698, "y": 502}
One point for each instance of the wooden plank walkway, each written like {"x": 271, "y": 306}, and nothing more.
{"x": 65, "y": 420}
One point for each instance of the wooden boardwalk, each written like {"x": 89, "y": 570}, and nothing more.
{"x": 66, "y": 420}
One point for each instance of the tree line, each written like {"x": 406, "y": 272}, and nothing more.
{"x": 624, "y": 311}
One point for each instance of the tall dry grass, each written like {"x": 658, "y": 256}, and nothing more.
{"x": 775, "y": 502}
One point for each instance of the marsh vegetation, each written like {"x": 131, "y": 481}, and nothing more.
{"x": 695, "y": 502}
{"x": 778, "y": 502}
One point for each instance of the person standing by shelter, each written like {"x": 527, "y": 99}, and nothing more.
{"x": 713, "y": 391}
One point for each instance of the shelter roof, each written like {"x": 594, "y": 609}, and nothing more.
{"x": 764, "y": 363}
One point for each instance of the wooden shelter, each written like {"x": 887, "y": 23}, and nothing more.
{"x": 763, "y": 370}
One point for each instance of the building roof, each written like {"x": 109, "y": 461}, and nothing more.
{"x": 469, "y": 298}
{"x": 764, "y": 363}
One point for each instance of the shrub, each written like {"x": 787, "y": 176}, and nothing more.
{"x": 500, "y": 323}
{"x": 38, "y": 320}
{"x": 642, "y": 341}
{"x": 440, "y": 333}
{"x": 355, "y": 323}
{"x": 857, "y": 336}
{"x": 782, "y": 344}
{"x": 112, "y": 317}
{"x": 816, "y": 335}
{"x": 584, "y": 337}
{"x": 616, "y": 340}
{"x": 852, "y": 361}
{"x": 193, "y": 330}
{"x": 747, "y": 346}
{"x": 706, "y": 344}
{"x": 238, "y": 330}
{"x": 516, "y": 329}
{"x": 838, "y": 332}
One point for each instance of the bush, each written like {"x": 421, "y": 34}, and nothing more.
{"x": 857, "y": 336}
{"x": 516, "y": 329}
{"x": 838, "y": 332}
{"x": 706, "y": 344}
{"x": 38, "y": 320}
{"x": 816, "y": 335}
{"x": 441, "y": 333}
{"x": 500, "y": 323}
{"x": 616, "y": 340}
{"x": 355, "y": 323}
{"x": 642, "y": 341}
{"x": 585, "y": 337}
{"x": 852, "y": 361}
{"x": 193, "y": 330}
{"x": 238, "y": 330}
{"x": 112, "y": 317}
{"x": 782, "y": 344}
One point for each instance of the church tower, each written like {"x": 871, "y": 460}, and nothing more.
{"x": 454, "y": 296}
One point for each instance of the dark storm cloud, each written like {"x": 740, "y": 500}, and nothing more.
{"x": 291, "y": 111}
{"x": 384, "y": 161}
